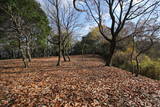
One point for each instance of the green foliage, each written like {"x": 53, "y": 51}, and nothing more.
{"x": 154, "y": 52}
{"x": 34, "y": 18}
{"x": 92, "y": 43}
{"x": 77, "y": 49}
{"x": 121, "y": 59}
{"x": 31, "y": 13}
{"x": 150, "y": 68}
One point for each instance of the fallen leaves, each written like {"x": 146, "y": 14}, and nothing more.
{"x": 79, "y": 83}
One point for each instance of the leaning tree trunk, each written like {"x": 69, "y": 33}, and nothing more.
{"x": 22, "y": 51}
{"x": 63, "y": 54}
{"x": 69, "y": 59}
{"x": 25, "y": 61}
{"x": 110, "y": 54}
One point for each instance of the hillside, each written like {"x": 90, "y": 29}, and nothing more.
{"x": 83, "y": 82}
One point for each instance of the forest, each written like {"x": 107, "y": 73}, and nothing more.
{"x": 79, "y": 53}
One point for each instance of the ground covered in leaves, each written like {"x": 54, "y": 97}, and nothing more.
{"x": 83, "y": 82}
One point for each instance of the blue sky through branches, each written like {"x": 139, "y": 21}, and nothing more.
{"x": 86, "y": 26}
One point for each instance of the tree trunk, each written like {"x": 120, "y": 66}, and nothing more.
{"x": 47, "y": 49}
{"x": 13, "y": 54}
{"x": 59, "y": 33}
{"x": 63, "y": 53}
{"x": 25, "y": 62}
{"x": 68, "y": 57}
{"x": 137, "y": 66}
{"x": 22, "y": 51}
{"x": 59, "y": 54}
{"x": 29, "y": 55}
{"x": 24, "y": 58}
{"x": 110, "y": 54}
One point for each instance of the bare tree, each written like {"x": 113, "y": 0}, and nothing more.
{"x": 20, "y": 31}
{"x": 54, "y": 13}
{"x": 64, "y": 21}
{"x": 119, "y": 12}
{"x": 146, "y": 33}
{"x": 70, "y": 24}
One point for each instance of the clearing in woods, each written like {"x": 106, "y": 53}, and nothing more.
{"x": 83, "y": 82}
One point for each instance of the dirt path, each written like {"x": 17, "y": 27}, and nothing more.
{"x": 83, "y": 82}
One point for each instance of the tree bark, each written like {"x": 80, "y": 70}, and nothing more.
{"x": 111, "y": 52}
{"x": 29, "y": 55}
{"x": 59, "y": 33}
{"x": 63, "y": 53}
{"x": 138, "y": 67}
{"x": 59, "y": 53}
{"x": 13, "y": 54}
{"x": 69, "y": 59}
{"x": 24, "y": 58}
